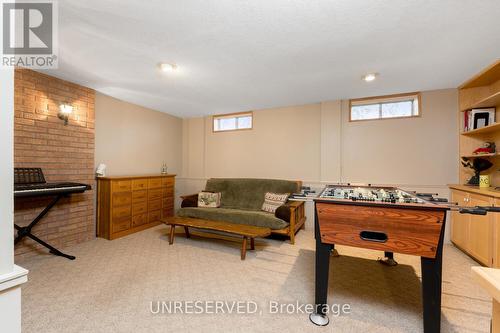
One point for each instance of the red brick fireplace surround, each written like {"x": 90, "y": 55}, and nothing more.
{"x": 64, "y": 152}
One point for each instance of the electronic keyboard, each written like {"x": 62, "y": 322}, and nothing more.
{"x": 30, "y": 182}
{"x": 41, "y": 189}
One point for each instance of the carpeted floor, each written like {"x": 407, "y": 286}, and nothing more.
{"x": 114, "y": 286}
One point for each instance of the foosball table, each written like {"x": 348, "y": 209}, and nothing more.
{"x": 386, "y": 219}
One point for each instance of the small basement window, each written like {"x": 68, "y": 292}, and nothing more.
{"x": 233, "y": 122}
{"x": 385, "y": 107}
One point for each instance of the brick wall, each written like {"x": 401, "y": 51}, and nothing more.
{"x": 65, "y": 153}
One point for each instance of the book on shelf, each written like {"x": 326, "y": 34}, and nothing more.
{"x": 478, "y": 118}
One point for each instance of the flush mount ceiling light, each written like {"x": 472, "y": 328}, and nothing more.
{"x": 168, "y": 68}
{"x": 370, "y": 77}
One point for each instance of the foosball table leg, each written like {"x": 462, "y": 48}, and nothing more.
{"x": 432, "y": 289}
{"x": 388, "y": 259}
{"x": 319, "y": 316}
{"x": 334, "y": 252}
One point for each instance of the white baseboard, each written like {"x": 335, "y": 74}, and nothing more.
{"x": 10, "y": 299}
{"x": 14, "y": 278}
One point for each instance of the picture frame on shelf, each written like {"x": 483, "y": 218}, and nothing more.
{"x": 482, "y": 117}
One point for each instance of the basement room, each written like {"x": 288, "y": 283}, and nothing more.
{"x": 250, "y": 166}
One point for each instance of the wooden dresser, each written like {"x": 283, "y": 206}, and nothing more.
{"x": 128, "y": 204}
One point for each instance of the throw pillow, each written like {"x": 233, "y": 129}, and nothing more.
{"x": 209, "y": 199}
{"x": 273, "y": 200}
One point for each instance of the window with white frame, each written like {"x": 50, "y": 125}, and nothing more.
{"x": 385, "y": 107}
{"x": 233, "y": 122}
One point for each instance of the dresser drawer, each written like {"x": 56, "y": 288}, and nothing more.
{"x": 167, "y": 212}
{"x": 120, "y": 224}
{"x": 122, "y": 198}
{"x": 154, "y": 204}
{"x": 154, "y": 216}
{"x": 139, "y": 219}
{"x": 121, "y": 185}
{"x": 154, "y": 194}
{"x": 139, "y": 208}
{"x": 139, "y": 196}
{"x": 168, "y": 192}
{"x": 140, "y": 184}
{"x": 154, "y": 182}
{"x": 167, "y": 181}
{"x": 119, "y": 212}
{"x": 167, "y": 202}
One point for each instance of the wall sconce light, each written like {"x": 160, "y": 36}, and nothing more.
{"x": 64, "y": 111}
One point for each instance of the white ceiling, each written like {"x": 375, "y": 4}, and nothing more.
{"x": 246, "y": 55}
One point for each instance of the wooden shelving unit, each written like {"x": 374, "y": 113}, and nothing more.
{"x": 481, "y": 155}
{"x": 478, "y": 235}
{"x": 484, "y": 130}
{"x": 482, "y": 91}
{"x": 486, "y": 102}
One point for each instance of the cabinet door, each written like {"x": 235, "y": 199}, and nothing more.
{"x": 480, "y": 231}
{"x": 460, "y": 222}
{"x": 496, "y": 236}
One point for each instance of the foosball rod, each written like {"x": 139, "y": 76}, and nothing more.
{"x": 477, "y": 210}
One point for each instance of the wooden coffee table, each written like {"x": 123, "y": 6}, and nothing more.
{"x": 246, "y": 231}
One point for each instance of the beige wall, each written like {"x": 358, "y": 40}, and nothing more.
{"x": 274, "y": 148}
{"x": 134, "y": 140}
{"x": 317, "y": 143}
{"x": 417, "y": 151}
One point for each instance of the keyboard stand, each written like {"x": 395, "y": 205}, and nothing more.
{"x": 26, "y": 231}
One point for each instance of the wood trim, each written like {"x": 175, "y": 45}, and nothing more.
{"x": 384, "y": 97}
{"x": 233, "y": 130}
{"x": 232, "y": 114}
{"x": 380, "y": 99}
{"x": 229, "y": 115}
{"x": 136, "y": 176}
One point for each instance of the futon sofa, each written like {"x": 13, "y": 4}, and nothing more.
{"x": 241, "y": 202}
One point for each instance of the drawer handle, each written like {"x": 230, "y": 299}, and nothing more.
{"x": 373, "y": 236}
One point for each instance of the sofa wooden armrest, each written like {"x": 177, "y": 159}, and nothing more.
{"x": 190, "y": 200}
{"x": 292, "y": 212}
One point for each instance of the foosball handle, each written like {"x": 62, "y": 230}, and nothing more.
{"x": 431, "y": 197}
{"x": 491, "y": 209}
{"x": 473, "y": 211}
{"x": 440, "y": 199}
